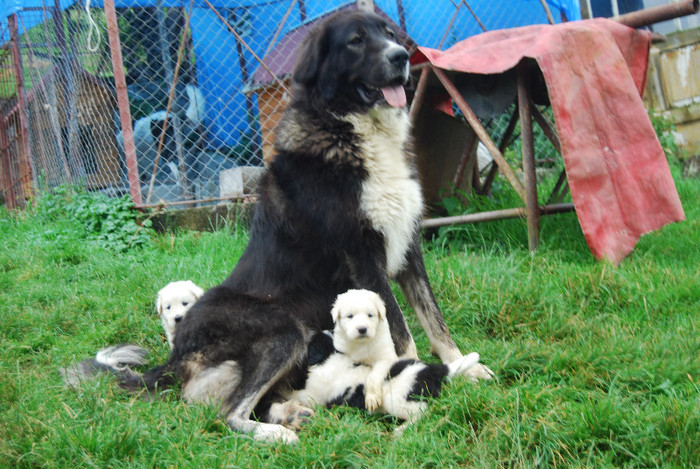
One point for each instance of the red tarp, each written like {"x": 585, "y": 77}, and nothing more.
{"x": 595, "y": 71}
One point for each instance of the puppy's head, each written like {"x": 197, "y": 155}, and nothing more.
{"x": 353, "y": 61}
{"x": 357, "y": 314}
{"x": 173, "y": 302}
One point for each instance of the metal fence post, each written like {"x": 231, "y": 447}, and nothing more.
{"x": 123, "y": 102}
{"x": 25, "y": 169}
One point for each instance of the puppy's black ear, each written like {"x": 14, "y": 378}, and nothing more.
{"x": 310, "y": 57}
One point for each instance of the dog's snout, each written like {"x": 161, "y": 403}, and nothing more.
{"x": 178, "y": 318}
{"x": 362, "y": 330}
{"x": 398, "y": 57}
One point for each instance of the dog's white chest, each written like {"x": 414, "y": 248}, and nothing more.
{"x": 391, "y": 198}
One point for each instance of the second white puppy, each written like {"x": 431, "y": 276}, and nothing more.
{"x": 362, "y": 333}
{"x": 173, "y": 302}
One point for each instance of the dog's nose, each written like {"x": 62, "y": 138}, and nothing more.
{"x": 178, "y": 318}
{"x": 398, "y": 57}
{"x": 362, "y": 330}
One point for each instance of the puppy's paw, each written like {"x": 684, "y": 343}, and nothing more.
{"x": 373, "y": 401}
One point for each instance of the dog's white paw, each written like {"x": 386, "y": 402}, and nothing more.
{"x": 373, "y": 401}
{"x": 275, "y": 433}
{"x": 479, "y": 372}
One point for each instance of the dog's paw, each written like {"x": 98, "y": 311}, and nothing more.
{"x": 290, "y": 414}
{"x": 373, "y": 401}
{"x": 479, "y": 372}
{"x": 275, "y": 433}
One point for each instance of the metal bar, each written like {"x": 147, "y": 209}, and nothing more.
{"x": 25, "y": 172}
{"x": 483, "y": 28}
{"x": 250, "y": 198}
{"x": 526, "y": 137}
{"x": 6, "y": 185}
{"x": 481, "y": 132}
{"x": 648, "y": 16}
{"x": 449, "y": 26}
{"x": 547, "y": 11}
{"x": 279, "y": 28}
{"x": 419, "y": 96}
{"x": 123, "y": 101}
{"x": 502, "y": 147}
{"x": 559, "y": 189}
{"x": 402, "y": 15}
{"x": 546, "y": 127}
{"x": 459, "y": 174}
{"x": 495, "y": 215}
{"x": 245, "y": 44}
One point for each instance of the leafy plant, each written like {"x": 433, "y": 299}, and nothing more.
{"x": 113, "y": 222}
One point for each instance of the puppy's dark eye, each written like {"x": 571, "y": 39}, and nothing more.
{"x": 168, "y": 307}
{"x": 390, "y": 34}
{"x": 355, "y": 40}
{"x": 370, "y": 315}
{"x": 184, "y": 303}
{"x": 349, "y": 316}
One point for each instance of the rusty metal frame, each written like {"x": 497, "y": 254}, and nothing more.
{"x": 525, "y": 112}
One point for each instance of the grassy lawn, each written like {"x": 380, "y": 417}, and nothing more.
{"x": 597, "y": 366}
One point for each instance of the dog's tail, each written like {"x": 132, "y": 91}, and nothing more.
{"x": 462, "y": 364}
{"x": 118, "y": 360}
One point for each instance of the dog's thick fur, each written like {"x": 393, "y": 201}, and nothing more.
{"x": 339, "y": 208}
{"x": 173, "y": 302}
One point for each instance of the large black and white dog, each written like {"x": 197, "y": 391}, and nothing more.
{"x": 339, "y": 208}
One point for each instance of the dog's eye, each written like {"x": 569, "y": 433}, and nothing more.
{"x": 168, "y": 307}
{"x": 370, "y": 315}
{"x": 355, "y": 40}
{"x": 349, "y": 316}
{"x": 184, "y": 303}
{"x": 390, "y": 34}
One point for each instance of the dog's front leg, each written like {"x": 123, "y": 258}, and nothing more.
{"x": 414, "y": 282}
{"x": 374, "y": 387}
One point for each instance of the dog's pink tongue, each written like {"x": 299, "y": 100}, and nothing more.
{"x": 395, "y": 96}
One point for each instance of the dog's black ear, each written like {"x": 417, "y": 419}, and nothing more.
{"x": 310, "y": 57}
{"x": 320, "y": 348}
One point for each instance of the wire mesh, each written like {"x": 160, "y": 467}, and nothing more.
{"x": 207, "y": 81}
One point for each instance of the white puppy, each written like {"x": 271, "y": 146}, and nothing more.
{"x": 362, "y": 333}
{"x": 173, "y": 302}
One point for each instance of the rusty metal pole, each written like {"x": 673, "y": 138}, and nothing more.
{"x": 25, "y": 168}
{"x": 115, "y": 47}
{"x": 526, "y": 137}
{"x": 648, "y": 16}
{"x": 481, "y": 132}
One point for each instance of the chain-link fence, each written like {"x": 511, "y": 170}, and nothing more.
{"x": 206, "y": 82}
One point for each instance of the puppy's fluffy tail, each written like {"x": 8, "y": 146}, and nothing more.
{"x": 462, "y": 364}
{"x": 118, "y": 360}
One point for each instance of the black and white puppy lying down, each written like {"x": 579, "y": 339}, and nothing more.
{"x": 344, "y": 362}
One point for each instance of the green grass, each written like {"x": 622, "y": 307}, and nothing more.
{"x": 597, "y": 366}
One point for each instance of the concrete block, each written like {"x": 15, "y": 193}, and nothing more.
{"x": 240, "y": 181}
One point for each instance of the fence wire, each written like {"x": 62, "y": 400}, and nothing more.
{"x": 217, "y": 71}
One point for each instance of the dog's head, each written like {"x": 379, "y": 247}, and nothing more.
{"x": 357, "y": 314}
{"x": 173, "y": 302}
{"x": 353, "y": 61}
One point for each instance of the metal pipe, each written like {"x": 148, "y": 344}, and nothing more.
{"x": 528, "y": 150}
{"x": 495, "y": 215}
{"x": 638, "y": 19}
{"x": 123, "y": 102}
{"x": 481, "y": 132}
